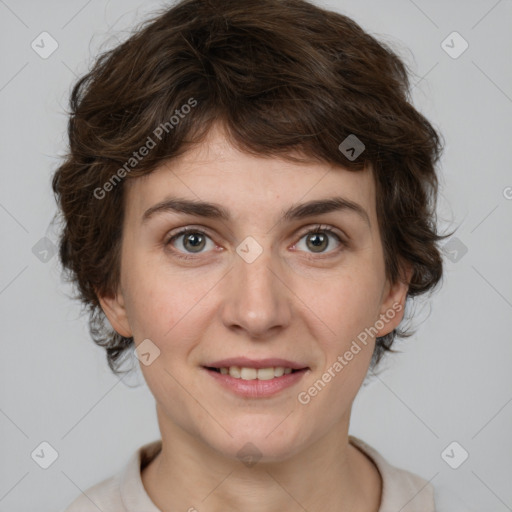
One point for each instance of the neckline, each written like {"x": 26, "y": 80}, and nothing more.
{"x": 395, "y": 481}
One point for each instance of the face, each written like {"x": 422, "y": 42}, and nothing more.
{"x": 257, "y": 284}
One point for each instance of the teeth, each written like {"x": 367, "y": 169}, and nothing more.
{"x": 250, "y": 373}
{"x": 279, "y": 371}
{"x": 243, "y": 373}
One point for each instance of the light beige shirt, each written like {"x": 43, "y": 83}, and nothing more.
{"x": 124, "y": 492}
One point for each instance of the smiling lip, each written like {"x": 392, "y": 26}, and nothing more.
{"x": 256, "y": 388}
{"x": 255, "y": 363}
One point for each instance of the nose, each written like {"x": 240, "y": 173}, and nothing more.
{"x": 257, "y": 298}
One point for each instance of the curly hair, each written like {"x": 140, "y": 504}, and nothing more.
{"x": 283, "y": 77}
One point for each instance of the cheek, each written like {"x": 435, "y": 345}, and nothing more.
{"x": 155, "y": 311}
{"x": 349, "y": 303}
{"x": 161, "y": 304}
{"x": 348, "y": 309}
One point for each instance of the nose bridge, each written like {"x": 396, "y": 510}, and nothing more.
{"x": 257, "y": 300}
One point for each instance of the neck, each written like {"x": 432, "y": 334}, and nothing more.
{"x": 330, "y": 474}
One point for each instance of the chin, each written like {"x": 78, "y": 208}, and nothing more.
{"x": 263, "y": 443}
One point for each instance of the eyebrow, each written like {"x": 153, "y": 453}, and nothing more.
{"x": 295, "y": 212}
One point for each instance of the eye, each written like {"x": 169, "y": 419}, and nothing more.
{"x": 189, "y": 240}
{"x": 318, "y": 240}
{"x": 192, "y": 241}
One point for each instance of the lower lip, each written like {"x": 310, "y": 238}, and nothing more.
{"x": 257, "y": 388}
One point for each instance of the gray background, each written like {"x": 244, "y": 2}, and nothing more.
{"x": 452, "y": 382}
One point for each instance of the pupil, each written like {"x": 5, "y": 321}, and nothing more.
{"x": 317, "y": 240}
{"x": 195, "y": 240}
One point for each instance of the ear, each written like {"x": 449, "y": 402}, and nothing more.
{"x": 393, "y": 302}
{"x": 114, "y": 308}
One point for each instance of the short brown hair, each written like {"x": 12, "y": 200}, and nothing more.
{"x": 283, "y": 77}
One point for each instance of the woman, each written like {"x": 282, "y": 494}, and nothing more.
{"x": 248, "y": 203}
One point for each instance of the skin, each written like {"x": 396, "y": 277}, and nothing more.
{"x": 291, "y": 302}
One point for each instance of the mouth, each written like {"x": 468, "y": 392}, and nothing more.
{"x": 251, "y": 373}
{"x": 257, "y": 381}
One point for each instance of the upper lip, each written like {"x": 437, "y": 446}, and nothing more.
{"x": 256, "y": 363}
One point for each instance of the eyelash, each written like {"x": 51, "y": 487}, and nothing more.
{"x": 319, "y": 228}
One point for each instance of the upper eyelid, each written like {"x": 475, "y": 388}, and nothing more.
{"x": 330, "y": 230}
{"x": 323, "y": 227}
{"x": 187, "y": 229}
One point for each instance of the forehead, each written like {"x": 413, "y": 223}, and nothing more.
{"x": 216, "y": 171}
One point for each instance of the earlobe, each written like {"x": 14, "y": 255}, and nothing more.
{"x": 393, "y": 305}
{"x": 115, "y": 311}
